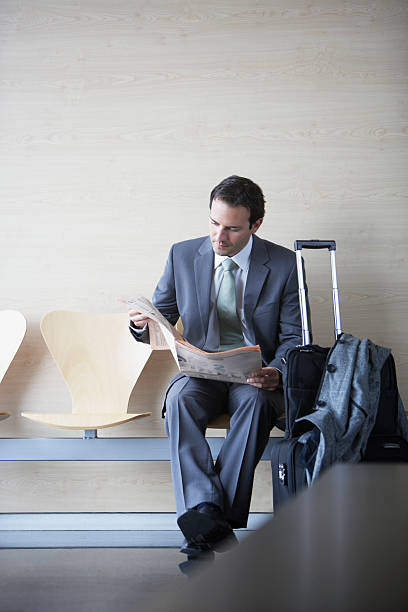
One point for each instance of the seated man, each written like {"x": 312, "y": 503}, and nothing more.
{"x": 230, "y": 289}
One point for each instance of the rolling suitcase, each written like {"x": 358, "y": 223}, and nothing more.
{"x": 385, "y": 443}
{"x": 302, "y": 369}
{"x": 292, "y": 463}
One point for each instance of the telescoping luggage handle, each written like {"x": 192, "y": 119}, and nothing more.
{"x": 317, "y": 244}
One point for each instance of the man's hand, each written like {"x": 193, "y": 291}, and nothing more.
{"x": 139, "y": 320}
{"x": 265, "y": 378}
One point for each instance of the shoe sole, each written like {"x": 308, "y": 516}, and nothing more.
{"x": 193, "y": 566}
{"x": 196, "y": 551}
{"x": 200, "y": 528}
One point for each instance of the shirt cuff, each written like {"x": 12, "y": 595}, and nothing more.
{"x": 138, "y": 330}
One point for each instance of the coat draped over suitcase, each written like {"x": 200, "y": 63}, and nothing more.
{"x": 346, "y": 406}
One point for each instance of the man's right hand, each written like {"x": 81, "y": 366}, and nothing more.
{"x": 138, "y": 319}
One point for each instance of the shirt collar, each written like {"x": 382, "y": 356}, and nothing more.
{"x": 241, "y": 258}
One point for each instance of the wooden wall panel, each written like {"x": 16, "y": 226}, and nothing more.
{"x": 102, "y": 486}
{"x": 116, "y": 120}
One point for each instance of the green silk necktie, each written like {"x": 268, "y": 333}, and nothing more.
{"x": 229, "y": 323}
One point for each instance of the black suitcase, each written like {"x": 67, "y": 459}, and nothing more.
{"x": 288, "y": 472}
{"x": 302, "y": 369}
{"x": 385, "y": 444}
{"x": 292, "y": 461}
{"x": 292, "y": 464}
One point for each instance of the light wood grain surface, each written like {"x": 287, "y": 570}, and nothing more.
{"x": 12, "y": 329}
{"x": 100, "y": 363}
{"x": 102, "y": 486}
{"x": 117, "y": 119}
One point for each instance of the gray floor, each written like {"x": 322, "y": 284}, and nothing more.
{"x": 86, "y": 580}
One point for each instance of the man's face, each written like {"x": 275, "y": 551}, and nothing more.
{"x": 229, "y": 227}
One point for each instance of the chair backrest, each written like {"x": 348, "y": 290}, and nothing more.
{"x": 97, "y": 356}
{"x": 13, "y": 327}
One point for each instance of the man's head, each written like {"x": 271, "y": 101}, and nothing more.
{"x": 237, "y": 208}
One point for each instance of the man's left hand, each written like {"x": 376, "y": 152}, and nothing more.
{"x": 265, "y": 378}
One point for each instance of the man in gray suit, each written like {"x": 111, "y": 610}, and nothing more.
{"x": 230, "y": 289}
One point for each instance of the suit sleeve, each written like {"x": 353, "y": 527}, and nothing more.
{"x": 141, "y": 335}
{"x": 164, "y": 298}
{"x": 290, "y": 322}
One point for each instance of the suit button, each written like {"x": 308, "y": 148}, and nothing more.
{"x": 331, "y": 368}
{"x": 321, "y": 403}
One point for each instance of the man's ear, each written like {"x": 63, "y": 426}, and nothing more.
{"x": 255, "y": 227}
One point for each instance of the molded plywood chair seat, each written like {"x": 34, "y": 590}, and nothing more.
{"x": 13, "y": 327}
{"x": 100, "y": 363}
{"x": 222, "y": 421}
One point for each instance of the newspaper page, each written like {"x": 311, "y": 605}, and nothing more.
{"x": 231, "y": 366}
{"x": 162, "y": 333}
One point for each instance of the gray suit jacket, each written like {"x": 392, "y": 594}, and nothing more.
{"x": 271, "y": 300}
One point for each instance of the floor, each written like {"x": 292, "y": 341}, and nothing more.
{"x": 86, "y": 580}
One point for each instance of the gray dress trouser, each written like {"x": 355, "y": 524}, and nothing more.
{"x": 190, "y": 405}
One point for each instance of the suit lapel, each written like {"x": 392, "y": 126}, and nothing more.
{"x": 203, "y": 274}
{"x": 257, "y": 274}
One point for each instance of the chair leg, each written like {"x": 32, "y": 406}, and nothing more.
{"x": 90, "y": 434}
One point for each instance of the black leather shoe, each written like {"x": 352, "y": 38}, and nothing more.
{"x": 199, "y": 556}
{"x": 194, "y": 564}
{"x": 205, "y": 525}
{"x": 194, "y": 550}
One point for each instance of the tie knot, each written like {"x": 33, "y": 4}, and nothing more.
{"x": 229, "y": 264}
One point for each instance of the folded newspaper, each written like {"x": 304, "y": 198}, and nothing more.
{"x": 231, "y": 366}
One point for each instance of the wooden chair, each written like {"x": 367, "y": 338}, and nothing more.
{"x": 13, "y": 327}
{"x": 100, "y": 363}
{"x": 220, "y": 422}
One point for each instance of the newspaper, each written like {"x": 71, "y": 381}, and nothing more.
{"x": 231, "y": 366}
